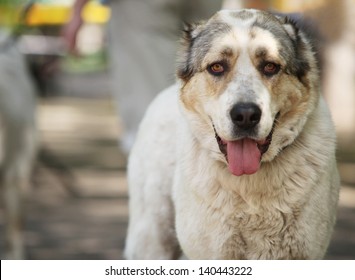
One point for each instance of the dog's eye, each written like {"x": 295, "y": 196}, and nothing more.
{"x": 270, "y": 69}
{"x": 217, "y": 69}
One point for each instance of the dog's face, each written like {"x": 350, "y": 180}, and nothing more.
{"x": 248, "y": 82}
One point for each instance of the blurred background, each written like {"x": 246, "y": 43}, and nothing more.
{"x": 76, "y": 203}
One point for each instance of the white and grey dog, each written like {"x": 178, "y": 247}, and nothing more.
{"x": 17, "y": 139}
{"x": 237, "y": 160}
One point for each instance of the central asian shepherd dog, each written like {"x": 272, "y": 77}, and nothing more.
{"x": 237, "y": 159}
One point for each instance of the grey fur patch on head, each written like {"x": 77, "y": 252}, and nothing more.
{"x": 261, "y": 53}
{"x": 197, "y": 41}
{"x": 243, "y": 14}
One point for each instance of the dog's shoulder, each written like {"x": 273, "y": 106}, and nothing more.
{"x": 162, "y": 113}
{"x": 155, "y": 143}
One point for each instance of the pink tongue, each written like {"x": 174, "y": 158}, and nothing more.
{"x": 243, "y": 157}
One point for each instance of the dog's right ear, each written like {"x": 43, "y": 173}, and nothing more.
{"x": 185, "y": 63}
{"x": 191, "y": 30}
{"x": 187, "y": 30}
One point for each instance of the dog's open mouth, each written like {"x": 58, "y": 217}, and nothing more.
{"x": 244, "y": 155}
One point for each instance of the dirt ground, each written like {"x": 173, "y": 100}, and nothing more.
{"x": 77, "y": 208}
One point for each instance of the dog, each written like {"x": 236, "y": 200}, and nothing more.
{"x": 237, "y": 159}
{"x": 18, "y": 139}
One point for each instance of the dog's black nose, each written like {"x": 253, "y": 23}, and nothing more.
{"x": 245, "y": 115}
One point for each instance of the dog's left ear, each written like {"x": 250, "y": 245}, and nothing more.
{"x": 291, "y": 27}
{"x": 290, "y": 23}
{"x": 303, "y": 34}
{"x": 296, "y": 23}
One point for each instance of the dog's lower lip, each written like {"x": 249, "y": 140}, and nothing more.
{"x": 263, "y": 145}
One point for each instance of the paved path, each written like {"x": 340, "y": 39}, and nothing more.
{"x": 78, "y": 206}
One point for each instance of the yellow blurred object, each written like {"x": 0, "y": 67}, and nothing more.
{"x": 41, "y": 14}
{"x": 296, "y": 5}
{"x": 96, "y": 13}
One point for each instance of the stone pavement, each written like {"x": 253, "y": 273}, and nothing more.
{"x": 77, "y": 208}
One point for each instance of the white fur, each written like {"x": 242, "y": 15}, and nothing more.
{"x": 183, "y": 195}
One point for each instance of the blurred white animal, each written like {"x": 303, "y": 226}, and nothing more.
{"x": 17, "y": 140}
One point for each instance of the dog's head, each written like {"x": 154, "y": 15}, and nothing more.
{"x": 249, "y": 80}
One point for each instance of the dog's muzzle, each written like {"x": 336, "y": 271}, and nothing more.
{"x": 244, "y": 155}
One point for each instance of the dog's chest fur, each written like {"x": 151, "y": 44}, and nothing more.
{"x": 228, "y": 225}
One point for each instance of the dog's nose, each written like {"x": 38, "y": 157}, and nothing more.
{"x": 245, "y": 115}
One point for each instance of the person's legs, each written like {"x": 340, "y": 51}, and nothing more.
{"x": 143, "y": 45}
